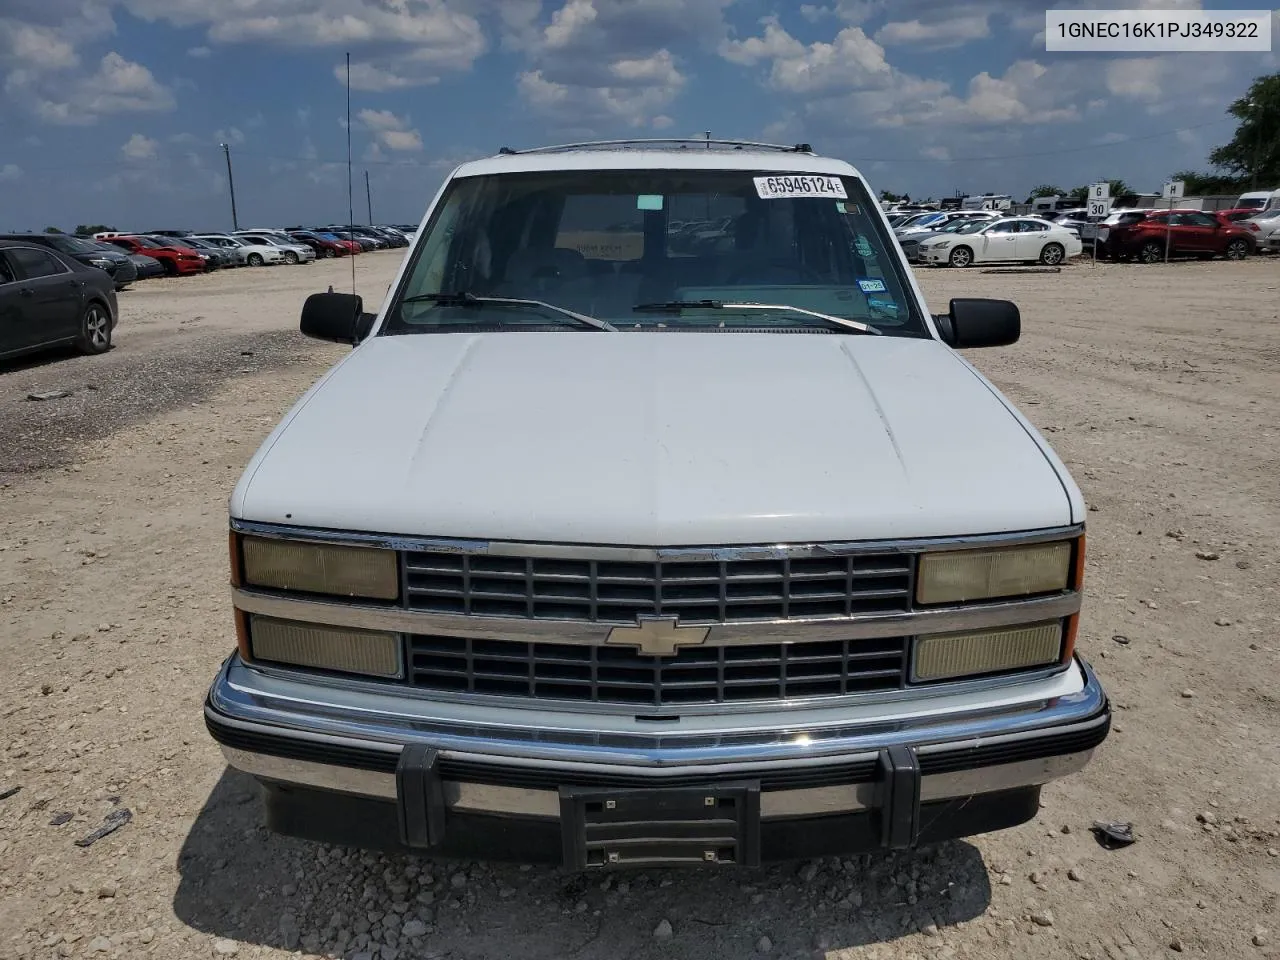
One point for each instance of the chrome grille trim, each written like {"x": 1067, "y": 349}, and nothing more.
{"x": 937, "y": 620}
{"x": 695, "y": 675}
{"x": 618, "y": 592}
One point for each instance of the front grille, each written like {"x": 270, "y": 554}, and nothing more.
{"x": 698, "y": 592}
{"x": 604, "y": 674}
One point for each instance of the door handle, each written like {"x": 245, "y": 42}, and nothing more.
{"x": 26, "y": 292}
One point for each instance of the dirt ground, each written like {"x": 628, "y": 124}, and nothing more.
{"x": 1159, "y": 386}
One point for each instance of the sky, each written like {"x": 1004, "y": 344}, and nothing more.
{"x": 114, "y": 111}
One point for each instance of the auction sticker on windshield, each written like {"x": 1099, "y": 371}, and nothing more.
{"x": 781, "y": 188}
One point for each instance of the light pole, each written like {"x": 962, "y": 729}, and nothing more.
{"x": 235, "y": 222}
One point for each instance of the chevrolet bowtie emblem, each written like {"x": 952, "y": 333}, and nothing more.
{"x": 658, "y": 636}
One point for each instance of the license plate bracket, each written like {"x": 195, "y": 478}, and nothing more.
{"x": 662, "y": 826}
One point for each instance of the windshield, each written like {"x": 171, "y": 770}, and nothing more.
{"x": 956, "y": 226}
{"x": 971, "y": 226}
{"x": 149, "y": 243}
{"x": 601, "y": 243}
{"x": 1253, "y": 203}
{"x": 73, "y": 245}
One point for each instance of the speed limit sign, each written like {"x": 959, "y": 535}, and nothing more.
{"x": 1099, "y": 208}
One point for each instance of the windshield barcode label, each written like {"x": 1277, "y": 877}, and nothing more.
{"x": 778, "y": 188}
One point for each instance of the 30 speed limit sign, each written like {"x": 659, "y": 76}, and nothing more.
{"x": 1099, "y": 208}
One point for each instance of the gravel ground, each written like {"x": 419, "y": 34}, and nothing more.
{"x": 1159, "y": 387}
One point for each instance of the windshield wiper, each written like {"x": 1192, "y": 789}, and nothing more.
{"x": 464, "y": 299}
{"x": 675, "y": 306}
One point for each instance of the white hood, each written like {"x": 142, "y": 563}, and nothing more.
{"x": 656, "y": 439}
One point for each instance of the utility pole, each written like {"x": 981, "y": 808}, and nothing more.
{"x": 368, "y": 197}
{"x": 235, "y": 221}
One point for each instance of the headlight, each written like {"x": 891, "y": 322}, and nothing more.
{"x": 320, "y": 568}
{"x": 322, "y": 647}
{"x": 948, "y": 656}
{"x": 961, "y": 575}
{"x": 101, "y": 263}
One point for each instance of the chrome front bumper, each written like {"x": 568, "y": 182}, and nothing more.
{"x": 510, "y": 762}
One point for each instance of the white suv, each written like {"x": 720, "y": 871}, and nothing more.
{"x": 607, "y": 548}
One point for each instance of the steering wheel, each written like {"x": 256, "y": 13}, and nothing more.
{"x": 760, "y": 270}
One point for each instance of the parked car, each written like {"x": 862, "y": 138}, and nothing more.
{"x": 328, "y": 249}
{"x": 173, "y": 234}
{"x": 938, "y": 221}
{"x": 114, "y": 262}
{"x": 253, "y": 254}
{"x": 176, "y": 260}
{"x": 702, "y": 628}
{"x": 294, "y": 252}
{"x": 48, "y": 299}
{"x": 352, "y": 246}
{"x": 226, "y": 256}
{"x": 1192, "y": 233}
{"x": 213, "y": 260}
{"x": 1268, "y": 226}
{"x": 1114, "y": 219}
{"x": 1008, "y": 239}
{"x": 910, "y": 243}
{"x": 147, "y": 267}
{"x": 367, "y": 239}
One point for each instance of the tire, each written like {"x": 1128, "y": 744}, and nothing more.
{"x": 1237, "y": 249}
{"x": 254, "y": 260}
{"x": 961, "y": 257}
{"x": 328, "y": 253}
{"x": 1052, "y": 254}
{"x": 291, "y": 257}
{"x": 95, "y": 329}
{"x": 1151, "y": 252}
{"x": 170, "y": 268}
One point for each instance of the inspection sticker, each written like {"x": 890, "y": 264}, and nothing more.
{"x": 871, "y": 286}
{"x": 781, "y": 188}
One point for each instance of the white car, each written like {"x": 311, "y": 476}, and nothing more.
{"x": 1007, "y": 240}
{"x": 245, "y": 251}
{"x": 293, "y": 251}
{"x": 1268, "y": 225}
{"x": 704, "y": 560}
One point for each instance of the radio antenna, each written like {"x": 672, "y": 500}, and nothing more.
{"x": 351, "y": 206}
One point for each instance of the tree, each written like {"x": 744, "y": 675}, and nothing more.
{"x": 1205, "y": 184}
{"x": 1045, "y": 190}
{"x": 52, "y": 229}
{"x": 89, "y": 229}
{"x": 1254, "y": 151}
{"x": 1078, "y": 194}
{"x": 889, "y": 197}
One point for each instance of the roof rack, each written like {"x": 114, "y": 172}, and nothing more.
{"x": 682, "y": 143}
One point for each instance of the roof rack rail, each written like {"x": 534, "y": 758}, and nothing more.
{"x": 681, "y": 142}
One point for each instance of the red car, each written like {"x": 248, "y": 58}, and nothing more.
{"x": 176, "y": 260}
{"x": 321, "y": 245}
{"x": 1190, "y": 233}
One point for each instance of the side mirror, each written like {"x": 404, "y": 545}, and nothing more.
{"x": 977, "y": 322}
{"x": 338, "y": 317}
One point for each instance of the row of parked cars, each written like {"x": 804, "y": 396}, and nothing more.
{"x": 959, "y": 238}
{"x": 127, "y": 257}
{"x": 57, "y": 289}
{"x": 1142, "y": 233}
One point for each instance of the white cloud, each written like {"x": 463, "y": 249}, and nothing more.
{"x": 851, "y": 60}
{"x": 117, "y": 86}
{"x": 10, "y": 171}
{"x": 389, "y": 131}
{"x": 401, "y": 139}
{"x": 1138, "y": 78}
{"x": 936, "y": 33}
{"x": 231, "y": 135}
{"x": 936, "y": 153}
{"x": 632, "y": 105}
{"x": 199, "y": 53}
{"x": 139, "y": 147}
